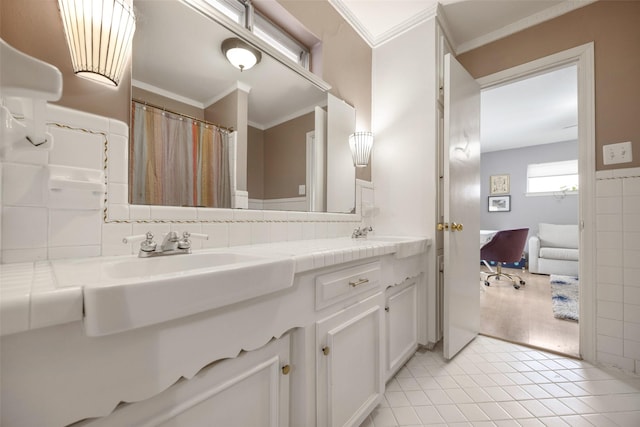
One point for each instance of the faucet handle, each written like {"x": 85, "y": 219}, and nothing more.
{"x": 359, "y": 232}
{"x": 185, "y": 243}
{"x": 196, "y": 235}
{"x": 148, "y": 245}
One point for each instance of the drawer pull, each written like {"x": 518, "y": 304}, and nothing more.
{"x": 358, "y": 282}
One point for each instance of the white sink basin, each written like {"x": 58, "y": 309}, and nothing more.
{"x": 136, "y": 267}
{"x": 392, "y": 239}
{"x": 123, "y": 293}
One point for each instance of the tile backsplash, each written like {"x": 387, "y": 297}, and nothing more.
{"x": 41, "y": 222}
{"x": 618, "y": 268}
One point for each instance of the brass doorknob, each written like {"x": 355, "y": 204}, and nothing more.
{"x": 443, "y": 226}
{"x": 456, "y": 227}
{"x": 286, "y": 369}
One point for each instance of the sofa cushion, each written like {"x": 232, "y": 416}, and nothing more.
{"x": 558, "y": 236}
{"x": 559, "y": 254}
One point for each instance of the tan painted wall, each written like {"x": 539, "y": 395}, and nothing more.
{"x": 614, "y": 27}
{"x": 224, "y": 112}
{"x": 346, "y": 59}
{"x": 285, "y": 153}
{"x": 35, "y": 27}
{"x": 255, "y": 163}
{"x": 232, "y": 111}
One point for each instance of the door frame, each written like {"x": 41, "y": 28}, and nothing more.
{"x": 583, "y": 57}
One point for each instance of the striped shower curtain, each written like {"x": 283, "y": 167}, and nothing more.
{"x": 177, "y": 161}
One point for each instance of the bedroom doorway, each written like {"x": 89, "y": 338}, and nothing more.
{"x": 550, "y": 140}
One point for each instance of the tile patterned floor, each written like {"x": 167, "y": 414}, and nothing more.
{"x": 495, "y": 383}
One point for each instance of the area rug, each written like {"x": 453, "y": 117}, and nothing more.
{"x": 564, "y": 297}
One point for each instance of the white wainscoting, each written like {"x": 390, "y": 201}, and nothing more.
{"x": 618, "y": 268}
{"x": 284, "y": 204}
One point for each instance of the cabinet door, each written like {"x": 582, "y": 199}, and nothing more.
{"x": 349, "y": 369}
{"x": 249, "y": 390}
{"x": 402, "y": 326}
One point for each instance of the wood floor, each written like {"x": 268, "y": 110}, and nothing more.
{"x": 525, "y": 315}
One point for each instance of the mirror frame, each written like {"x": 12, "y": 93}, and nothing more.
{"x": 116, "y": 159}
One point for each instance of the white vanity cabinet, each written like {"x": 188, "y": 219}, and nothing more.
{"x": 249, "y": 390}
{"x": 315, "y": 353}
{"x": 401, "y": 324}
{"x": 349, "y": 363}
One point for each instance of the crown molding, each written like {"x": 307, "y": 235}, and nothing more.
{"x": 345, "y": 12}
{"x": 375, "y": 41}
{"x": 284, "y": 119}
{"x": 238, "y": 85}
{"x": 167, "y": 94}
{"x": 407, "y": 25}
{"x": 535, "y": 19}
{"x": 436, "y": 10}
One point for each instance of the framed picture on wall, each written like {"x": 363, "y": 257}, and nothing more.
{"x": 499, "y": 203}
{"x": 499, "y": 184}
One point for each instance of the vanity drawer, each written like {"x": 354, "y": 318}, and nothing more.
{"x": 344, "y": 283}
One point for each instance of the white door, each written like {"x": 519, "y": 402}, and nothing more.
{"x": 461, "y": 199}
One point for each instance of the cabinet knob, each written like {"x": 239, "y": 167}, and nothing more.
{"x": 386, "y": 309}
{"x": 286, "y": 369}
{"x": 325, "y": 351}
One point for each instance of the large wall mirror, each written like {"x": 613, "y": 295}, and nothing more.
{"x": 206, "y": 134}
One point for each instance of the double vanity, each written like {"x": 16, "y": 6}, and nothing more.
{"x": 299, "y": 333}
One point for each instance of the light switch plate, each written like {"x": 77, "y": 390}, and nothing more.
{"x": 617, "y": 153}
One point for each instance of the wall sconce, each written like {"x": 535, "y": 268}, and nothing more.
{"x": 99, "y": 35}
{"x": 360, "y": 144}
{"x": 241, "y": 55}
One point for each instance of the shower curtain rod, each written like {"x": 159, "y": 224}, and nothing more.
{"x": 158, "y": 107}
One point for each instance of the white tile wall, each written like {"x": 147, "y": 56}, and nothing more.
{"x": 23, "y": 185}
{"x": 618, "y": 268}
{"x": 32, "y": 230}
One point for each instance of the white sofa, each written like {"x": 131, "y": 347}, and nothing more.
{"x": 554, "y": 250}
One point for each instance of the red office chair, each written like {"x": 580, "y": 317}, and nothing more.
{"x": 505, "y": 246}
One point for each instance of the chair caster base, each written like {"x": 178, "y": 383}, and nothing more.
{"x": 486, "y": 283}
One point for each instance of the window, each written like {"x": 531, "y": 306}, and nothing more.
{"x": 281, "y": 41}
{"x": 263, "y": 28}
{"x": 233, "y": 9}
{"x": 552, "y": 178}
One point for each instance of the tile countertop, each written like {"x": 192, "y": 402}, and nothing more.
{"x": 31, "y": 299}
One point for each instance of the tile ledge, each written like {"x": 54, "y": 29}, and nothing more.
{"x": 618, "y": 173}
{"x": 37, "y": 278}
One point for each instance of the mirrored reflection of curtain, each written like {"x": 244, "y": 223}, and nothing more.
{"x": 177, "y": 161}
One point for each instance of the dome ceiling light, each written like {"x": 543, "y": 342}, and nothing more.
{"x": 240, "y": 54}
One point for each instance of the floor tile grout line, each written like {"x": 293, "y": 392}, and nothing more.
{"x": 555, "y": 398}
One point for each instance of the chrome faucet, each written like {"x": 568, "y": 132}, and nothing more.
{"x": 171, "y": 244}
{"x": 361, "y": 232}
